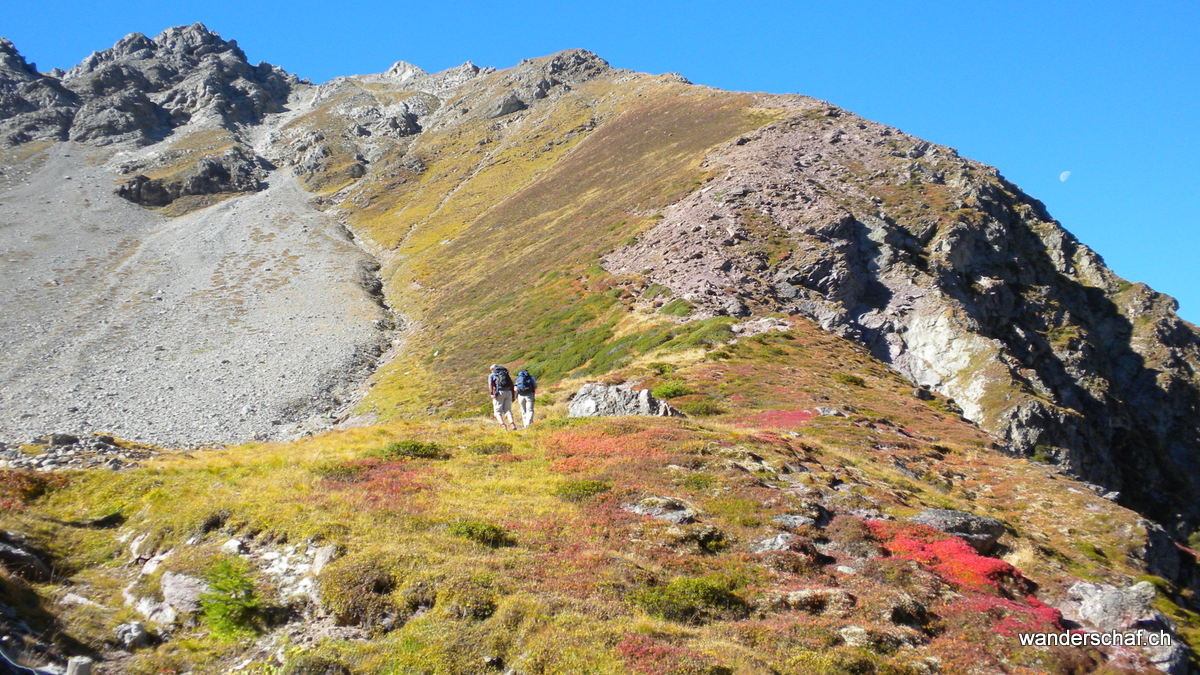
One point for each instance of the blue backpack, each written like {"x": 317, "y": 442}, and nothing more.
{"x": 525, "y": 382}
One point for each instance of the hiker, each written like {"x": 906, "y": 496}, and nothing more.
{"x": 526, "y": 389}
{"x": 500, "y": 386}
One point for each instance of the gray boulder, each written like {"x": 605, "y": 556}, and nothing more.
{"x": 780, "y": 542}
{"x": 322, "y": 557}
{"x": 601, "y": 400}
{"x": 132, "y": 635}
{"x": 793, "y": 520}
{"x": 182, "y": 592}
{"x": 980, "y": 532}
{"x": 664, "y": 508}
{"x": 1107, "y": 608}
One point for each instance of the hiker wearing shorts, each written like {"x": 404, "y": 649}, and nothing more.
{"x": 500, "y": 386}
{"x": 526, "y": 388}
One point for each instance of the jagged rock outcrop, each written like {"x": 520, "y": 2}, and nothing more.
{"x": 139, "y": 90}
{"x": 600, "y": 400}
{"x": 957, "y": 279}
{"x": 33, "y": 106}
{"x": 142, "y": 88}
{"x": 236, "y": 170}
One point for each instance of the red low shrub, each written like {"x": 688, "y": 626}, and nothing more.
{"x": 949, "y": 557}
{"x": 19, "y": 487}
{"x": 383, "y": 484}
{"x": 779, "y": 419}
{"x": 646, "y": 655}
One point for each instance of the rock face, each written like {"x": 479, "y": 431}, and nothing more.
{"x": 32, "y": 106}
{"x": 599, "y": 400}
{"x": 956, "y": 278}
{"x": 980, "y": 532}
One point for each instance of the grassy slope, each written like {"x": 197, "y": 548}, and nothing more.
{"x": 494, "y": 246}
{"x": 571, "y": 589}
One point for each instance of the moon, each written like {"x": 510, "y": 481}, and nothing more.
{"x": 1062, "y": 177}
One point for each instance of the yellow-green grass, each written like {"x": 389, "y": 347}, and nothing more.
{"x": 562, "y": 591}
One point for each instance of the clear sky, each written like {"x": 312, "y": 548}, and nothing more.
{"x": 1108, "y": 91}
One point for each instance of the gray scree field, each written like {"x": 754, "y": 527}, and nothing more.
{"x": 252, "y": 318}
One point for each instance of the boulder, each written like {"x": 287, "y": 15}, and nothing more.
{"x": 236, "y": 170}
{"x": 1109, "y": 608}
{"x": 322, "y": 557}
{"x": 132, "y": 635}
{"x": 233, "y": 547}
{"x": 1131, "y": 609}
{"x": 812, "y": 600}
{"x": 182, "y": 592}
{"x": 79, "y": 665}
{"x": 980, "y": 532}
{"x": 780, "y": 542}
{"x": 664, "y": 508}
{"x": 790, "y": 521}
{"x": 601, "y": 400}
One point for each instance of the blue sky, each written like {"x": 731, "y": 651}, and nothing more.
{"x": 1109, "y": 91}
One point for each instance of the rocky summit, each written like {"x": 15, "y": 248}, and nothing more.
{"x": 814, "y": 395}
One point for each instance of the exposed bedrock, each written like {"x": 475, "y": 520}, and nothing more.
{"x": 958, "y": 280}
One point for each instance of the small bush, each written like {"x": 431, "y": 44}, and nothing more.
{"x": 677, "y": 307}
{"x": 743, "y": 512}
{"x": 463, "y": 598}
{"x": 414, "y": 449}
{"x": 670, "y": 389}
{"x": 852, "y": 536}
{"x": 579, "y": 490}
{"x": 691, "y": 600}
{"x": 340, "y": 472}
{"x": 480, "y": 532}
{"x": 653, "y": 291}
{"x": 661, "y": 368}
{"x": 701, "y": 409}
{"x": 1043, "y": 454}
{"x": 357, "y": 590}
{"x": 699, "y": 481}
{"x": 852, "y": 380}
{"x": 493, "y": 448}
{"x": 232, "y": 609}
